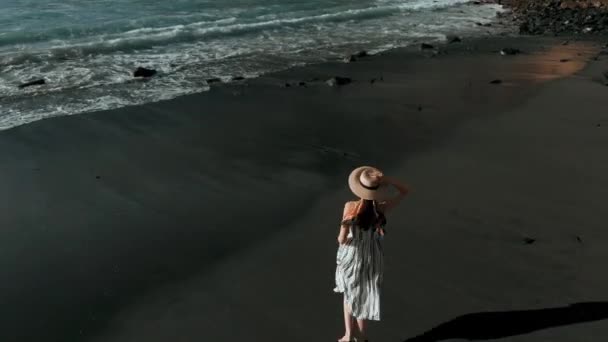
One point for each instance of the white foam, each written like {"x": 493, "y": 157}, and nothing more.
{"x": 100, "y": 70}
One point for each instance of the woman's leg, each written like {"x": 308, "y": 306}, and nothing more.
{"x": 362, "y": 326}
{"x": 348, "y": 323}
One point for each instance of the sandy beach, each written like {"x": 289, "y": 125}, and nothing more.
{"x": 213, "y": 216}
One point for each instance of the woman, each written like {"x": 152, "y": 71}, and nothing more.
{"x": 360, "y": 260}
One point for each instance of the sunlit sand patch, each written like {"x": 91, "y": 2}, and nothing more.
{"x": 557, "y": 61}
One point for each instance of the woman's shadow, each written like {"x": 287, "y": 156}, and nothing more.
{"x": 494, "y": 325}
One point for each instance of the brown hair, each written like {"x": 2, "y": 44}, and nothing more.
{"x": 369, "y": 216}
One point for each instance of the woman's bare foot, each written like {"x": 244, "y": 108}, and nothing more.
{"x": 360, "y": 338}
{"x": 346, "y": 338}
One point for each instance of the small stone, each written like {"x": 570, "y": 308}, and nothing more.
{"x": 302, "y": 84}
{"x": 529, "y": 241}
{"x": 144, "y": 72}
{"x": 496, "y": 82}
{"x": 509, "y": 51}
{"x": 564, "y": 60}
{"x": 31, "y": 83}
{"x": 372, "y": 81}
{"x": 213, "y": 80}
{"x": 425, "y": 46}
{"x": 338, "y": 81}
{"x": 97, "y": 177}
{"x": 453, "y": 39}
{"x": 238, "y": 78}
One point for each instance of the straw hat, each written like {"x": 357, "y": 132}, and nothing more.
{"x": 366, "y": 183}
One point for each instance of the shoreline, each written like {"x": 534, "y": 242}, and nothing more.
{"x": 185, "y": 162}
{"x": 27, "y": 116}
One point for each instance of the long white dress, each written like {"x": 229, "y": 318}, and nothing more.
{"x": 359, "y": 270}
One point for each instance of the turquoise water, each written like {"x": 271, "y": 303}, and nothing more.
{"x": 87, "y": 50}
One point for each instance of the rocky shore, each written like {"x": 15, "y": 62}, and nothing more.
{"x": 559, "y": 17}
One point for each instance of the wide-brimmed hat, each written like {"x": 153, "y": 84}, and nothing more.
{"x": 365, "y": 182}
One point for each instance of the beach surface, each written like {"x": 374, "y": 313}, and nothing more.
{"x": 214, "y": 216}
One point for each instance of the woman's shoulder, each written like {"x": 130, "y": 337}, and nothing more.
{"x": 350, "y": 209}
{"x": 350, "y": 205}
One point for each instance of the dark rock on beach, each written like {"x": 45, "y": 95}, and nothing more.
{"x": 496, "y": 82}
{"x": 144, "y": 72}
{"x": 31, "y": 83}
{"x": 453, "y": 39}
{"x": 425, "y": 46}
{"x": 213, "y": 80}
{"x": 354, "y": 57}
{"x": 238, "y": 78}
{"x": 338, "y": 81}
{"x": 560, "y": 16}
{"x": 509, "y": 51}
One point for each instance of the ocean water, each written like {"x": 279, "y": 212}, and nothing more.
{"x": 86, "y": 50}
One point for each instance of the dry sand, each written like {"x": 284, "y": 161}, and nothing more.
{"x": 213, "y": 217}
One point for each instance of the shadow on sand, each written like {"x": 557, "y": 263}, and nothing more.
{"x": 494, "y": 325}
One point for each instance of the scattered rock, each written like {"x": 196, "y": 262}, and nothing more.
{"x": 425, "y": 46}
{"x": 560, "y": 17}
{"x": 213, "y": 80}
{"x": 529, "y": 241}
{"x": 453, "y": 39}
{"x": 372, "y": 81}
{"x": 483, "y": 24}
{"x": 564, "y": 60}
{"x": 302, "y": 84}
{"x": 420, "y": 108}
{"x": 31, "y": 83}
{"x": 361, "y": 54}
{"x": 598, "y": 125}
{"x": 578, "y": 238}
{"x": 286, "y": 85}
{"x": 238, "y": 78}
{"x": 510, "y": 51}
{"x": 381, "y": 78}
{"x": 97, "y": 177}
{"x": 338, "y": 81}
{"x": 496, "y": 82}
{"x": 355, "y": 56}
{"x": 144, "y": 72}
{"x": 565, "y": 42}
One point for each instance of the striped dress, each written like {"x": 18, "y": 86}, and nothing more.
{"x": 359, "y": 268}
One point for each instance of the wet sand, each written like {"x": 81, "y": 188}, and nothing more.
{"x": 214, "y": 216}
